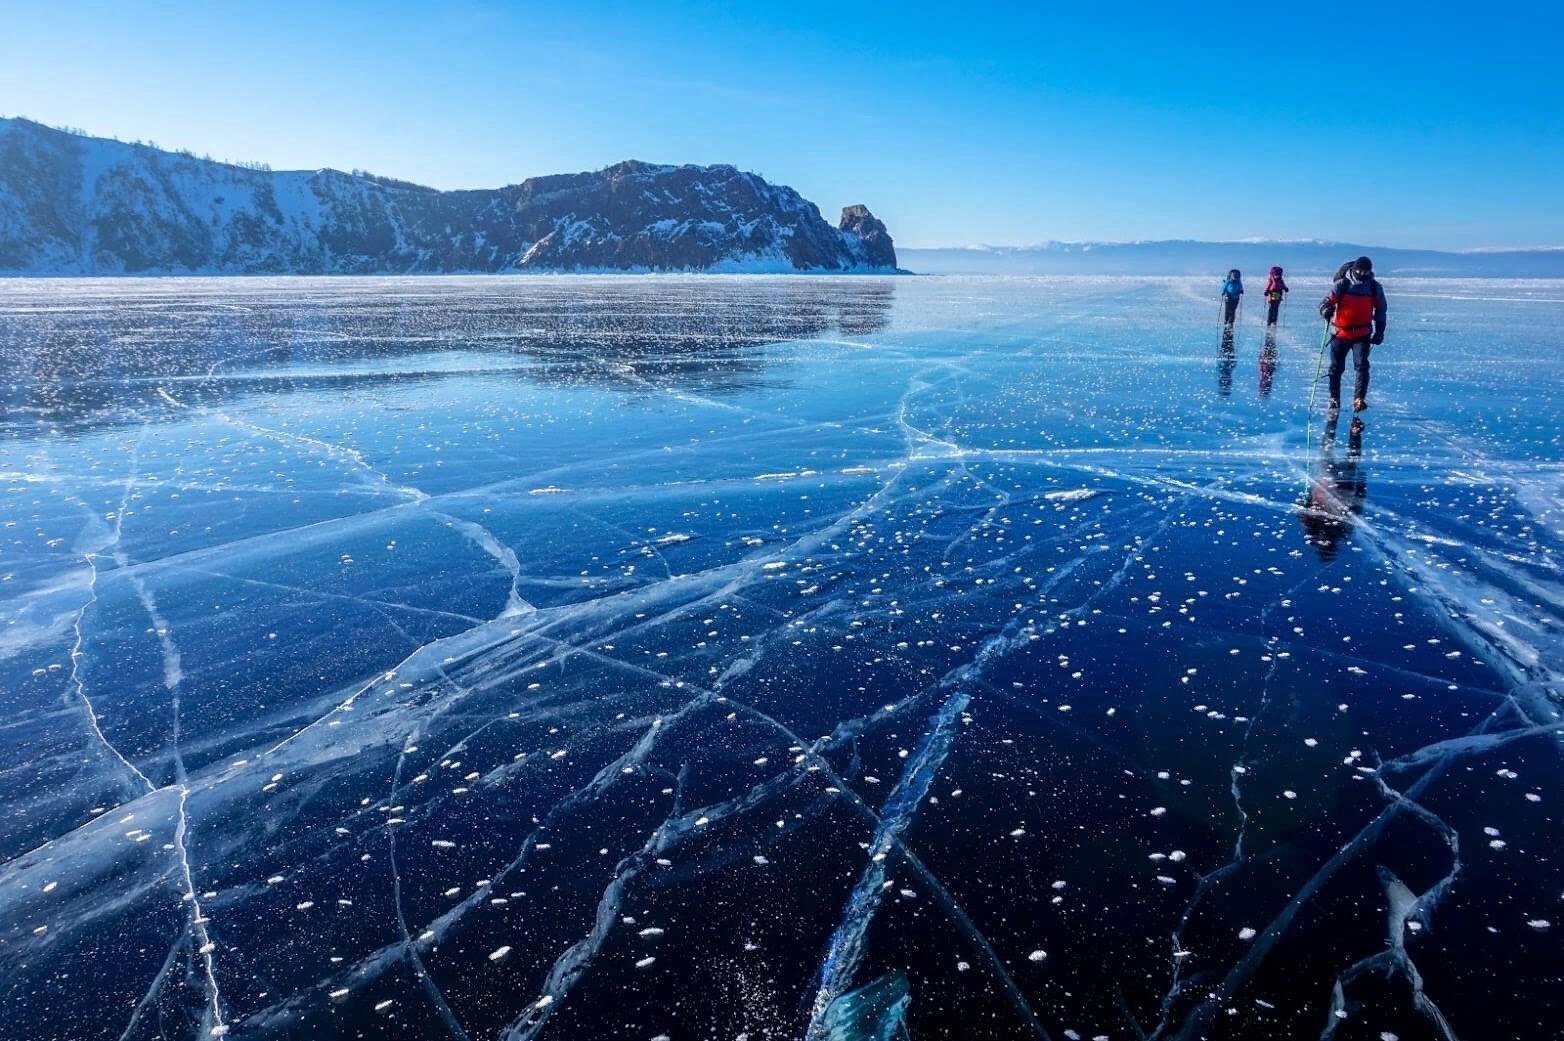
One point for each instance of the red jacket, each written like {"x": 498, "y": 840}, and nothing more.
{"x": 1355, "y": 309}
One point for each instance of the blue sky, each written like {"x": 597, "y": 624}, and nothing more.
{"x": 1432, "y": 125}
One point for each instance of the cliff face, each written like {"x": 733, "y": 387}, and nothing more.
{"x": 878, "y": 249}
{"x": 636, "y": 215}
{"x": 81, "y": 205}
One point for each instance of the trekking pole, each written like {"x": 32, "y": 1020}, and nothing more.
{"x": 1319, "y": 363}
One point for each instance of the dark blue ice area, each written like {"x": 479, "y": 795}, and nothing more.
{"x": 775, "y": 658}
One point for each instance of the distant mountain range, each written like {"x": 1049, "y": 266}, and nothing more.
{"x": 77, "y": 205}
{"x": 1188, "y": 257}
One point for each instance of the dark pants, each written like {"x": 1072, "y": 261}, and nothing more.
{"x": 1338, "y": 365}
{"x": 1230, "y": 308}
{"x": 1271, "y": 312}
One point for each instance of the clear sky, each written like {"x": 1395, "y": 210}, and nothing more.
{"x": 1434, "y": 125}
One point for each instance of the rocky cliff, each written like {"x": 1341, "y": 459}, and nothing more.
{"x": 80, "y": 205}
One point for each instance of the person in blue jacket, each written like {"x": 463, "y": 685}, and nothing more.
{"x": 1232, "y": 289}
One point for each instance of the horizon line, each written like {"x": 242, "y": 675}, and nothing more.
{"x": 1047, "y": 244}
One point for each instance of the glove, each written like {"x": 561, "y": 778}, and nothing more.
{"x": 1378, "y": 337}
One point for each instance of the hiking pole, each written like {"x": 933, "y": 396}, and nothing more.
{"x": 1319, "y": 363}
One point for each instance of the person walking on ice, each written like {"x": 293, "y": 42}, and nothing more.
{"x": 1232, "y": 290}
{"x": 1355, "y": 310}
{"x": 1275, "y": 290}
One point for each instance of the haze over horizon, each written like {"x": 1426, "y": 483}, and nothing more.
{"x": 1011, "y": 128}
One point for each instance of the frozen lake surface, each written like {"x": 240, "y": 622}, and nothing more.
{"x": 723, "y": 658}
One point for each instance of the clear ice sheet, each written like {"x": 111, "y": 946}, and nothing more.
{"x": 704, "y": 657}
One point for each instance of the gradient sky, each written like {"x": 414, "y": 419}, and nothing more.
{"x": 1434, "y": 125}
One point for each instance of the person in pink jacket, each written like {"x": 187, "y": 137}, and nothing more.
{"x": 1275, "y": 290}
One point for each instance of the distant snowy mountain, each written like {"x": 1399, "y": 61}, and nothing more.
{"x": 79, "y": 205}
{"x": 1188, "y": 257}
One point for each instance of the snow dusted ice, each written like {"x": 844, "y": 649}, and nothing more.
{"x": 774, "y": 658}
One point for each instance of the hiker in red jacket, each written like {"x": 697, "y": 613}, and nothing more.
{"x": 1275, "y": 290}
{"x": 1355, "y": 309}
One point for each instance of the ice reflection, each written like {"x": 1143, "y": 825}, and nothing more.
{"x": 1337, "y": 488}
{"x": 178, "y": 346}
{"x": 1227, "y": 361}
{"x": 1268, "y": 357}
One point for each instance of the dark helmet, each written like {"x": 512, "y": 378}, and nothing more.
{"x": 1276, "y": 269}
{"x": 1234, "y": 273}
{"x": 1363, "y": 264}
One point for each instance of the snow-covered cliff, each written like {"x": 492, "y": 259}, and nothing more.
{"x": 81, "y": 205}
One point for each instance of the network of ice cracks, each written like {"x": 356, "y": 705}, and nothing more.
{"x": 757, "y": 658}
